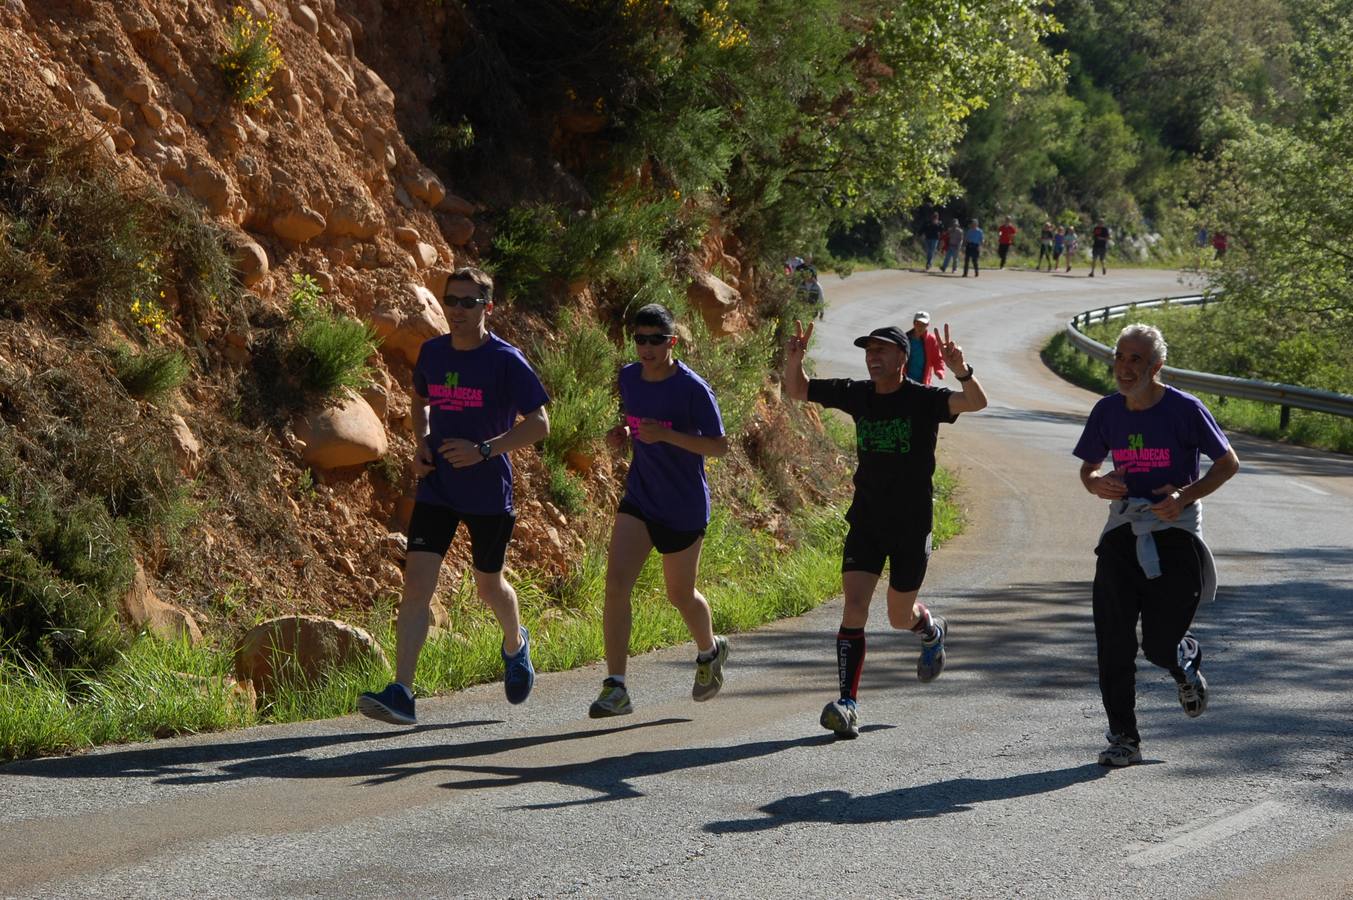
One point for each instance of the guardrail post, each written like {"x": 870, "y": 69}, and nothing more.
{"x": 1284, "y": 417}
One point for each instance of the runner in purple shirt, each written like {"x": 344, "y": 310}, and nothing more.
{"x": 673, "y": 422}
{"x": 1152, "y": 563}
{"x": 477, "y": 400}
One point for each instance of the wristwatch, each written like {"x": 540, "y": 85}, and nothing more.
{"x": 485, "y": 449}
{"x": 967, "y": 376}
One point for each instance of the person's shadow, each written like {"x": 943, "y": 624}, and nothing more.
{"x": 921, "y": 801}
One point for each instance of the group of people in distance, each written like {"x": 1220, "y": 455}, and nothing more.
{"x": 478, "y": 399}
{"x": 1052, "y": 244}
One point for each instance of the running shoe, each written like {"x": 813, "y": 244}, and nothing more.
{"x": 931, "y": 663}
{"x": 1193, "y": 689}
{"x": 1122, "y": 751}
{"x": 614, "y": 700}
{"x": 392, "y": 705}
{"x": 841, "y": 717}
{"x": 709, "y": 673}
{"x": 519, "y": 676}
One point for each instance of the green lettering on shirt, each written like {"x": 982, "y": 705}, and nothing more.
{"x": 884, "y": 435}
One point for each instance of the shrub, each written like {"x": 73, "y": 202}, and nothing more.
{"x": 579, "y": 373}
{"x": 251, "y": 56}
{"x": 566, "y": 489}
{"x": 150, "y": 374}
{"x": 327, "y": 352}
{"x": 78, "y": 245}
{"x": 59, "y": 586}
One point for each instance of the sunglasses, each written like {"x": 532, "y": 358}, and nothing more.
{"x": 654, "y": 340}
{"x": 463, "y": 302}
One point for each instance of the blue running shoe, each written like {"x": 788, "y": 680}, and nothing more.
{"x": 840, "y": 717}
{"x": 392, "y": 705}
{"x": 519, "y": 676}
{"x": 931, "y": 663}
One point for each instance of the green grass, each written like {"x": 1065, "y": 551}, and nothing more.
{"x": 1306, "y": 429}
{"x": 151, "y": 374}
{"x": 159, "y": 688}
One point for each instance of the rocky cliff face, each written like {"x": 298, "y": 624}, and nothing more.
{"x": 319, "y": 179}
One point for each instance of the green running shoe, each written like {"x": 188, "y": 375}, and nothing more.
{"x": 614, "y": 700}
{"x": 709, "y": 674}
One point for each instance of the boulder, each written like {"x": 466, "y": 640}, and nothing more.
{"x": 426, "y": 187}
{"x": 139, "y": 92}
{"x": 251, "y": 260}
{"x": 301, "y": 646}
{"x": 299, "y": 225}
{"x": 424, "y": 254}
{"x": 435, "y": 279}
{"x": 355, "y": 215}
{"x": 305, "y": 18}
{"x": 716, "y": 301}
{"x": 143, "y": 610}
{"x": 403, "y": 329}
{"x": 210, "y": 187}
{"x": 458, "y": 205}
{"x": 347, "y": 434}
{"x": 457, "y": 229}
{"x": 187, "y": 451}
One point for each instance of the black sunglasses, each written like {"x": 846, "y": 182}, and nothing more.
{"x": 655, "y": 340}
{"x": 463, "y": 302}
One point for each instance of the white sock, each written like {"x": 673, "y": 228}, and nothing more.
{"x": 618, "y": 679}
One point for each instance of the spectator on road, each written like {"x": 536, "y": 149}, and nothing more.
{"x": 811, "y": 291}
{"x": 1005, "y": 238}
{"x": 477, "y": 399}
{"x": 1058, "y": 245}
{"x": 930, "y": 237}
{"x": 954, "y": 237}
{"x": 1072, "y": 244}
{"x": 1099, "y": 247}
{"x": 672, "y": 422}
{"x": 972, "y": 248}
{"x": 1152, "y": 563}
{"x": 924, "y": 359}
{"x": 896, "y": 426}
{"x": 1046, "y": 239}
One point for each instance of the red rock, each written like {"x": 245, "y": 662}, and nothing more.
{"x": 346, "y": 434}
{"x": 305, "y": 646}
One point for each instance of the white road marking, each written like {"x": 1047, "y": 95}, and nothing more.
{"x": 1208, "y": 834}
{"x": 1313, "y": 490}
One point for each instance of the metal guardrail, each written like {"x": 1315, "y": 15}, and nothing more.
{"x": 1286, "y": 396}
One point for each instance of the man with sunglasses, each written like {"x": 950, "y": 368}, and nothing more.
{"x": 897, "y": 425}
{"x": 477, "y": 400}
{"x": 673, "y": 423}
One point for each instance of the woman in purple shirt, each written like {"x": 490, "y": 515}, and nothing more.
{"x": 672, "y": 421}
{"x": 1152, "y": 563}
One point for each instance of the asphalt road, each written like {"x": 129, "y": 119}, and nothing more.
{"x": 981, "y": 784}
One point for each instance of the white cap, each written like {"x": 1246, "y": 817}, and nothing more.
{"x": 921, "y": 316}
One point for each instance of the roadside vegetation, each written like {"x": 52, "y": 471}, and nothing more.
{"x": 1305, "y": 428}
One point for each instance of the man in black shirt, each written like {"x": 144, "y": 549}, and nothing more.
{"x": 896, "y": 427}
{"x": 930, "y": 234}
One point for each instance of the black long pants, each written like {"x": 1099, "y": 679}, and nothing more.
{"x": 1165, "y": 605}
{"x": 970, "y": 254}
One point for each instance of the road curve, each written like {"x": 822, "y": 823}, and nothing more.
{"x": 981, "y": 784}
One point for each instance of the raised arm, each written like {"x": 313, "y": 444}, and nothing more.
{"x": 973, "y": 397}
{"x": 795, "y": 379}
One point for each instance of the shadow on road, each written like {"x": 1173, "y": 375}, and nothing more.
{"x": 610, "y": 778}
{"x": 922, "y": 801}
{"x": 282, "y": 759}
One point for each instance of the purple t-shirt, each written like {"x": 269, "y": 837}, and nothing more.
{"x": 476, "y": 395}
{"x": 665, "y": 482}
{"x": 1153, "y": 447}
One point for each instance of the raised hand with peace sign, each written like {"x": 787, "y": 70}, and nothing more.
{"x": 796, "y": 347}
{"x": 973, "y": 397}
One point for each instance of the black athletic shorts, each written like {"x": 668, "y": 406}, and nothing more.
{"x": 665, "y": 540}
{"x": 868, "y": 547}
{"x": 431, "y": 528}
